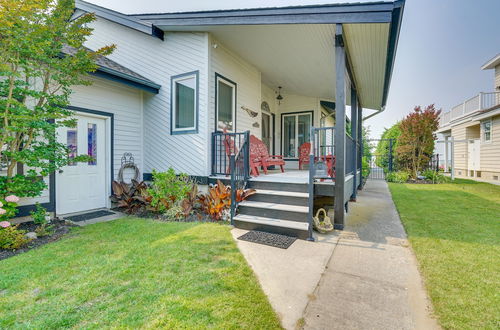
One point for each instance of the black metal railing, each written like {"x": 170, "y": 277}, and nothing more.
{"x": 223, "y": 145}
{"x": 239, "y": 164}
{"x": 434, "y": 163}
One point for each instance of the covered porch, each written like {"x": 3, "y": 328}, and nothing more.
{"x": 291, "y": 76}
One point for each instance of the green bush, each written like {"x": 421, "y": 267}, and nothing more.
{"x": 398, "y": 177}
{"x": 435, "y": 177}
{"x": 365, "y": 167}
{"x": 39, "y": 215}
{"x": 11, "y": 238}
{"x": 168, "y": 189}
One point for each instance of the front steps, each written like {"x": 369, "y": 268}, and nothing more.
{"x": 277, "y": 207}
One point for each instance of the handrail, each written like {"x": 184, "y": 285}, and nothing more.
{"x": 239, "y": 168}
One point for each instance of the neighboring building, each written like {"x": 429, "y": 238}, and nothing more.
{"x": 474, "y": 126}
{"x": 183, "y": 76}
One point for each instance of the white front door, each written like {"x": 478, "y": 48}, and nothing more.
{"x": 83, "y": 186}
{"x": 474, "y": 155}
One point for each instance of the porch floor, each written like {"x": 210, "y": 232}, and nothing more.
{"x": 289, "y": 176}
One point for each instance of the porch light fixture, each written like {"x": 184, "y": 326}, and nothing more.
{"x": 279, "y": 97}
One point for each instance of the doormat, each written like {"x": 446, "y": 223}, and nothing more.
{"x": 275, "y": 240}
{"x": 89, "y": 216}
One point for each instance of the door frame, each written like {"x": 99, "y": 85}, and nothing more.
{"x": 109, "y": 150}
{"x": 271, "y": 129}
{"x": 282, "y": 130}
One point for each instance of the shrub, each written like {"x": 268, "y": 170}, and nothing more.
{"x": 365, "y": 167}
{"x": 131, "y": 198}
{"x": 435, "y": 177}
{"x": 44, "y": 230}
{"x": 8, "y": 207}
{"x": 11, "y": 238}
{"x": 398, "y": 177}
{"x": 39, "y": 215}
{"x": 168, "y": 189}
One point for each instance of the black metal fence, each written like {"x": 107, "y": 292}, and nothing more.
{"x": 323, "y": 152}
{"x": 239, "y": 168}
{"x": 223, "y": 145}
{"x": 434, "y": 163}
{"x": 382, "y": 162}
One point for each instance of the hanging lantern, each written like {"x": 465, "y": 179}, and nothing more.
{"x": 279, "y": 97}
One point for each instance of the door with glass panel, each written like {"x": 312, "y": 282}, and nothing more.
{"x": 267, "y": 133}
{"x": 81, "y": 186}
{"x": 295, "y": 131}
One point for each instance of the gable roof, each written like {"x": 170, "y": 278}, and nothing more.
{"x": 491, "y": 64}
{"x": 114, "y": 16}
{"x": 109, "y": 69}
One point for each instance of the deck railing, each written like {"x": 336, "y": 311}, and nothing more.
{"x": 482, "y": 101}
{"x": 223, "y": 144}
{"x": 240, "y": 170}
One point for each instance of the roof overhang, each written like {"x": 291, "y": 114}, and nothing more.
{"x": 114, "y": 16}
{"x": 294, "y": 47}
{"x": 491, "y": 64}
{"x": 123, "y": 78}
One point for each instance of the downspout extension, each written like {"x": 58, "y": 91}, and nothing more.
{"x": 375, "y": 113}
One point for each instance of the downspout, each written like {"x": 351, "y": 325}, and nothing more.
{"x": 375, "y": 113}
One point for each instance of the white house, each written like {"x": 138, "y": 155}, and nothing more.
{"x": 175, "y": 78}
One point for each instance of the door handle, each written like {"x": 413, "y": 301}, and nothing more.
{"x": 61, "y": 171}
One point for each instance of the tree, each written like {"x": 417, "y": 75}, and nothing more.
{"x": 416, "y": 142}
{"x": 383, "y": 146}
{"x": 41, "y": 57}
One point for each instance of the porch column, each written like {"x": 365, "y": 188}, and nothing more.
{"x": 360, "y": 139}
{"x": 354, "y": 132}
{"x": 446, "y": 151}
{"x": 340, "y": 73}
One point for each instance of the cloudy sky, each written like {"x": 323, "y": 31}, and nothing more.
{"x": 442, "y": 46}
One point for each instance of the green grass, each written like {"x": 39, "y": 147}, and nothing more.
{"x": 134, "y": 273}
{"x": 454, "y": 230}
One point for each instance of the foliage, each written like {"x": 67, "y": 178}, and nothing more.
{"x": 383, "y": 147}
{"x": 175, "y": 213}
{"x": 8, "y": 207}
{"x": 169, "y": 188}
{"x": 416, "y": 142}
{"x": 216, "y": 201}
{"x": 36, "y": 76}
{"x": 435, "y": 176}
{"x": 187, "y": 205}
{"x": 398, "y": 177}
{"x": 39, "y": 215}
{"x": 242, "y": 194}
{"x": 44, "y": 230}
{"x": 135, "y": 274}
{"x": 365, "y": 167}
{"x": 131, "y": 198}
{"x": 12, "y": 238}
{"x": 454, "y": 231}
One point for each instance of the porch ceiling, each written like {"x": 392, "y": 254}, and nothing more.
{"x": 294, "y": 47}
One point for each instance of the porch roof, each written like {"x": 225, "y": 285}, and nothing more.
{"x": 293, "y": 47}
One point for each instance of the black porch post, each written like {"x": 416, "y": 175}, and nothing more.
{"x": 340, "y": 72}
{"x": 361, "y": 145}
{"x": 354, "y": 132}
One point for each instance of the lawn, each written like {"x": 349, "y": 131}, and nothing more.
{"x": 132, "y": 273}
{"x": 454, "y": 230}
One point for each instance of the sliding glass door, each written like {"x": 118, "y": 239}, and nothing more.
{"x": 295, "y": 131}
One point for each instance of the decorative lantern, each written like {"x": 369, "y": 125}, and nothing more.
{"x": 279, "y": 97}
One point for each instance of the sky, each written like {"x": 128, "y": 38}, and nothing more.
{"x": 442, "y": 46}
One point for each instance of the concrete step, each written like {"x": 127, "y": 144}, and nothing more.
{"x": 271, "y": 225}
{"x": 274, "y": 210}
{"x": 280, "y": 197}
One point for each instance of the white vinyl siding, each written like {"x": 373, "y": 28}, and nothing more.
{"x": 159, "y": 60}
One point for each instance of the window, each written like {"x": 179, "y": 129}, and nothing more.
{"x": 72, "y": 144}
{"x": 486, "y": 128}
{"x": 295, "y": 130}
{"x": 184, "y": 103}
{"x": 226, "y": 104}
{"x": 92, "y": 143}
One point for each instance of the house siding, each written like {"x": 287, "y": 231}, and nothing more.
{"x": 248, "y": 91}
{"x": 126, "y": 105}
{"x": 159, "y": 61}
{"x": 490, "y": 151}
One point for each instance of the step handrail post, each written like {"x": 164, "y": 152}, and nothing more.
{"x": 311, "y": 186}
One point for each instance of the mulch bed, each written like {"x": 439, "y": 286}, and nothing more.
{"x": 60, "y": 228}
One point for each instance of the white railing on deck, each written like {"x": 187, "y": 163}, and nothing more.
{"x": 481, "y": 101}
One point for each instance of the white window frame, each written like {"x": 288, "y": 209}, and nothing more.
{"x": 174, "y": 79}
{"x": 296, "y": 115}
{"x": 482, "y": 131}
{"x": 233, "y": 85}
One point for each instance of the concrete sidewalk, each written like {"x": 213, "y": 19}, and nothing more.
{"x": 371, "y": 280}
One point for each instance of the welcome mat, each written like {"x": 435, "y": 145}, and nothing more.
{"x": 89, "y": 216}
{"x": 276, "y": 240}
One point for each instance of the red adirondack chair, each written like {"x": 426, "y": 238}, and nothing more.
{"x": 263, "y": 154}
{"x": 304, "y": 151}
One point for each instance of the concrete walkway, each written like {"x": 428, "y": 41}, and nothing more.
{"x": 371, "y": 280}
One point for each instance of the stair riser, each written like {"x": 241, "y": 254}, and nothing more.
{"x": 289, "y": 200}
{"x": 294, "y": 187}
{"x": 270, "y": 213}
{"x": 302, "y": 234}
